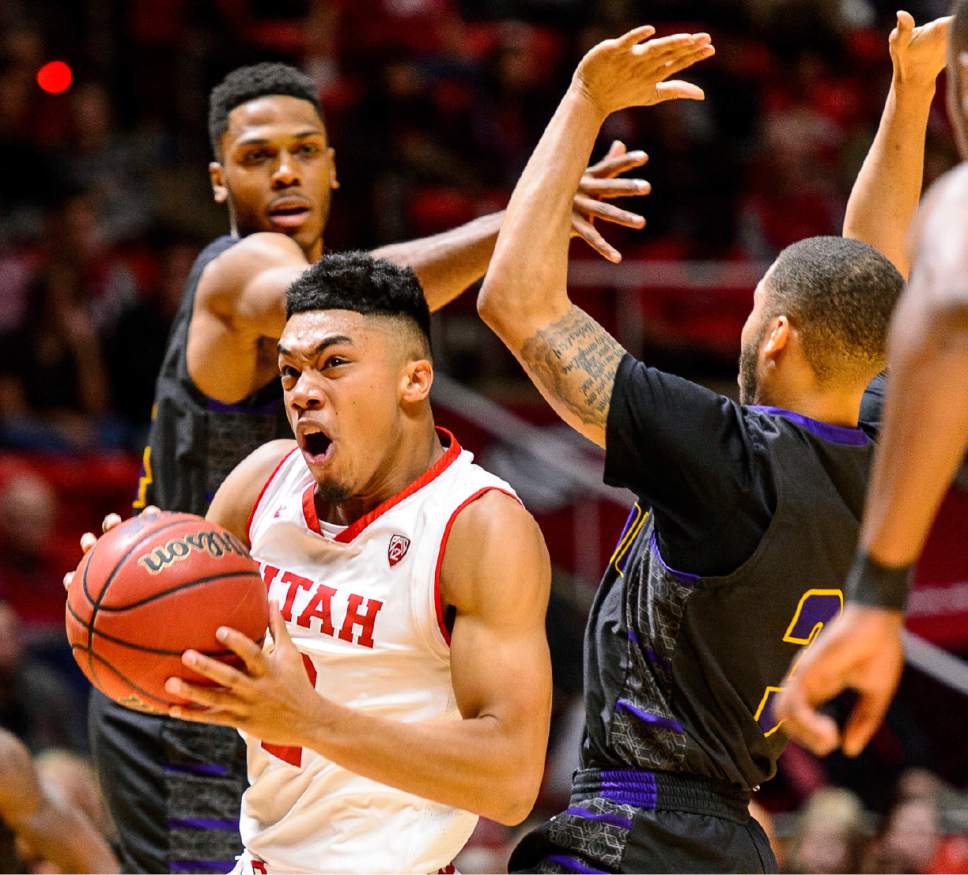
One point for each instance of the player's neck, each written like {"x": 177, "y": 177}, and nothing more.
{"x": 835, "y": 407}
{"x": 413, "y": 454}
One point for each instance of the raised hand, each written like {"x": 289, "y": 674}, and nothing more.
{"x": 633, "y": 69}
{"x": 919, "y": 54}
{"x": 861, "y": 650}
{"x": 599, "y": 184}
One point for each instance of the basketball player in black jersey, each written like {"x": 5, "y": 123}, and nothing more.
{"x": 747, "y": 514}
{"x": 173, "y": 788}
{"x": 924, "y": 440}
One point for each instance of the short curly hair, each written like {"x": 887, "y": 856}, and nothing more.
{"x": 249, "y": 83}
{"x": 840, "y": 295}
{"x": 359, "y": 282}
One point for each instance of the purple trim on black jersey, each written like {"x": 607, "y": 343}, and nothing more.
{"x": 646, "y": 717}
{"x": 572, "y": 864}
{"x": 200, "y": 865}
{"x": 686, "y": 577}
{"x": 600, "y": 816}
{"x": 202, "y": 823}
{"x": 267, "y": 408}
{"x": 197, "y": 768}
{"x": 838, "y": 434}
{"x": 657, "y": 660}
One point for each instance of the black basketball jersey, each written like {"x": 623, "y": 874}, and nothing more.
{"x": 195, "y": 441}
{"x": 174, "y": 788}
{"x": 682, "y": 668}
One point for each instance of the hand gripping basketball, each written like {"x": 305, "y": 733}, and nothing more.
{"x": 151, "y": 588}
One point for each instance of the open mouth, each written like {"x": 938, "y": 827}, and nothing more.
{"x": 315, "y": 444}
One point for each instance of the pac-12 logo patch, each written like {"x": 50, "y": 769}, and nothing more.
{"x": 399, "y": 544}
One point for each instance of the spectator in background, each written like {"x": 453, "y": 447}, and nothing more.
{"x": 53, "y": 380}
{"x": 32, "y": 561}
{"x": 831, "y": 834}
{"x": 113, "y": 170}
{"x": 34, "y": 703}
{"x": 68, "y": 777}
{"x": 41, "y": 828}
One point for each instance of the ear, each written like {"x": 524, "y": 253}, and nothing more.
{"x": 219, "y": 192}
{"x": 331, "y": 155}
{"x": 777, "y": 337}
{"x": 418, "y": 377}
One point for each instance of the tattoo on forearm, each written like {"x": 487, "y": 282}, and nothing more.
{"x": 576, "y": 360}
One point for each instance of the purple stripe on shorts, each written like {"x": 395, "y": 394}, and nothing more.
{"x": 197, "y": 768}
{"x": 654, "y": 719}
{"x": 602, "y": 817}
{"x": 201, "y": 865}
{"x": 633, "y": 637}
{"x": 571, "y": 864}
{"x": 202, "y": 823}
{"x": 629, "y": 788}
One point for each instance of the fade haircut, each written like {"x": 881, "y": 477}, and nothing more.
{"x": 372, "y": 286}
{"x": 249, "y": 83}
{"x": 839, "y": 294}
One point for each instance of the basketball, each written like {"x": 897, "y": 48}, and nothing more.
{"x": 151, "y": 588}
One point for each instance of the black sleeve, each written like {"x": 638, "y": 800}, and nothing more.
{"x": 686, "y": 452}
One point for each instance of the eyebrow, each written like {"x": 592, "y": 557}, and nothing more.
{"x": 262, "y": 141}
{"x": 322, "y": 345}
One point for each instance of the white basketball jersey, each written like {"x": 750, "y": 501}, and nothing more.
{"x": 363, "y": 608}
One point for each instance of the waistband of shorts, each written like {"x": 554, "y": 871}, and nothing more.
{"x": 662, "y": 791}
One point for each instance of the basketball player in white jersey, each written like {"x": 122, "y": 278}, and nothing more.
{"x": 408, "y": 687}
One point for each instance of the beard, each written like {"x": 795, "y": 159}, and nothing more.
{"x": 333, "y": 493}
{"x": 749, "y": 386}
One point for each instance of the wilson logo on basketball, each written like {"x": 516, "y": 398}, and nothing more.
{"x": 399, "y": 544}
{"x": 216, "y": 544}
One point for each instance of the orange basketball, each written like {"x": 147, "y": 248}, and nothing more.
{"x": 151, "y": 588}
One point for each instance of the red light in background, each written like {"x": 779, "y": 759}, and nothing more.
{"x": 55, "y": 77}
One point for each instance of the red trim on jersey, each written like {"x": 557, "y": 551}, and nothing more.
{"x": 351, "y": 531}
{"x": 438, "y": 607}
{"x": 265, "y": 486}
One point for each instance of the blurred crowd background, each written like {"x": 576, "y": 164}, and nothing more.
{"x": 433, "y": 107}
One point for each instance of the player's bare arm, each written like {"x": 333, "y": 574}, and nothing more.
{"x": 239, "y": 314}
{"x": 924, "y": 439}
{"x": 570, "y": 357}
{"x": 885, "y": 196}
{"x": 240, "y": 306}
{"x": 55, "y": 831}
{"x": 446, "y": 264}
{"x": 496, "y": 573}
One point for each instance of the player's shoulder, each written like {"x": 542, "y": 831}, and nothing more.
{"x": 230, "y": 269}
{"x": 494, "y": 522}
{"x": 495, "y": 550}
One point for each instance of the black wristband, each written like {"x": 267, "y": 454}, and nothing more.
{"x": 876, "y": 585}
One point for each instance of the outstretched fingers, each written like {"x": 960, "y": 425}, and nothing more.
{"x": 637, "y": 35}
{"x": 608, "y": 212}
{"x": 679, "y": 90}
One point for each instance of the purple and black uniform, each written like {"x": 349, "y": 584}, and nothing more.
{"x": 732, "y": 559}
{"x": 174, "y": 788}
